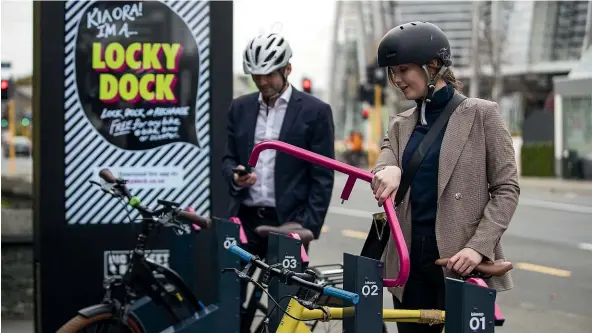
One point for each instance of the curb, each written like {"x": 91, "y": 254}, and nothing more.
{"x": 583, "y": 187}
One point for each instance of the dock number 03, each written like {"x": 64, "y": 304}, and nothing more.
{"x": 289, "y": 263}
{"x": 477, "y": 323}
{"x": 370, "y": 290}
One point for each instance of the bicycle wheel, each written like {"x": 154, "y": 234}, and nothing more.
{"x": 103, "y": 322}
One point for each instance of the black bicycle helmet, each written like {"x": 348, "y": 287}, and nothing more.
{"x": 416, "y": 43}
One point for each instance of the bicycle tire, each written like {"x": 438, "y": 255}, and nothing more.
{"x": 79, "y": 323}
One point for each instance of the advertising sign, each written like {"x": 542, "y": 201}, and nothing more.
{"x": 141, "y": 88}
{"x": 136, "y": 101}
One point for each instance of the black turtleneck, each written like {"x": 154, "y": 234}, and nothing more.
{"x": 424, "y": 187}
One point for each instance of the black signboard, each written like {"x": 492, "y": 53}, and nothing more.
{"x": 141, "y": 88}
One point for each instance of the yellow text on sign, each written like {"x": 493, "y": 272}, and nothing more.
{"x": 140, "y": 57}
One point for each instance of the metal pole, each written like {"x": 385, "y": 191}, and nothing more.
{"x": 375, "y": 128}
{"x": 333, "y": 56}
{"x": 588, "y": 31}
{"x": 378, "y": 111}
{"x": 497, "y": 90}
{"x": 474, "y": 55}
{"x": 12, "y": 130}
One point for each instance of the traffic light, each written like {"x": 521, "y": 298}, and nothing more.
{"x": 366, "y": 94}
{"x": 306, "y": 85}
{"x": 365, "y": 113}
{"x": 5, "y": 85}
{"x": 376, "y": 75}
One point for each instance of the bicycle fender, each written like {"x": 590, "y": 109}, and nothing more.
{"x": 95, "y": 310}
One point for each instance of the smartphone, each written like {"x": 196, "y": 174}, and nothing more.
{"x": 240, "y": 172}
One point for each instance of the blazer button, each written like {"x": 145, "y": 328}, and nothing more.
{"x": 457, "y": 196}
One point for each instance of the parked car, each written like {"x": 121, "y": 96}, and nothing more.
{"x": 22, "y": 146}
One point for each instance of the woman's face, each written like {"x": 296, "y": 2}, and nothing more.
{"x": 410, "y": 79}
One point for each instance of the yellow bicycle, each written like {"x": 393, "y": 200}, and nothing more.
{"x": 302, "y": 307}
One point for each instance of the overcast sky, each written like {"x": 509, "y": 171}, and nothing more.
{"x": 306, "y": 24}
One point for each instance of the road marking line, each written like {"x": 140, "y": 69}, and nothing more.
{"x": 523, "y": 201}
{"x": 555, "y": 205}
{"x": 543, "y": 269}
{"x": 324, "y": 228}
{"x": 354, "y": 234}
{"x": 350, "y": 212}
{"x": 585, "y": 246}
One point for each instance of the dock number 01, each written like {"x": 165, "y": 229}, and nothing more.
{"x": 477, "y": 323}
{"x": 370, "y": 290}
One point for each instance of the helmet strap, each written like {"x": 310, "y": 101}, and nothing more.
{"x": 431, "y": 89}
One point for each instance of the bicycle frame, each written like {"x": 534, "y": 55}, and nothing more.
{"x": 140, "y": 279}
{"x": 354, "y": 174}
{"x": 296, "y": 310}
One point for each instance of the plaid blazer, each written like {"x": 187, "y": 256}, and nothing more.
{"x": 477, "y": 184}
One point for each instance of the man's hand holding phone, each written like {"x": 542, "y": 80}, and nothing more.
{"x": 243, "y": 177}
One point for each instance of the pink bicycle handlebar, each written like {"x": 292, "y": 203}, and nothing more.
{"x": 354, "y": 173}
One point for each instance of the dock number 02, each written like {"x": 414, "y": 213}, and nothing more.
{"x": 370, "y": 290}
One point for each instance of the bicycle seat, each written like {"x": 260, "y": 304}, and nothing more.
{"x": 306, "y": 236}
{"x": 497, "y": 268}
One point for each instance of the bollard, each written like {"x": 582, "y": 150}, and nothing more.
{"x": 469, "y": 307}
{"x": 363, "y": 276}
{"x": 285, "y": 251}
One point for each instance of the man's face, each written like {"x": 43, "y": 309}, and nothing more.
{"x": 271, "y": 84}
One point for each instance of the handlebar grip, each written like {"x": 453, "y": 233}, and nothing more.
{"x": 343, "y": 295}
{"x": 107, "y": 176}
{"x": 244, "y": 255}
{"x": 191, "y": 217}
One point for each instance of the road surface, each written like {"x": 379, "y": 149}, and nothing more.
{"x": 22, "y": 165}
{"x": 549, "y": 241}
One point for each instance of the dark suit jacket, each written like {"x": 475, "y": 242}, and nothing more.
{"x": 302, "y": 189}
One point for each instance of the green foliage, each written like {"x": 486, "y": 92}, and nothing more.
{"x": 25, "y": 81}
{"x": 538, "y": 159}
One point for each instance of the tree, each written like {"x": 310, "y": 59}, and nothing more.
{"x": 24, "y": 81}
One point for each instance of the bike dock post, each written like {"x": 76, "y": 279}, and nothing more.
{"x": 285, "y": 251}
{"x": 223, "y": 316}
{"x": 469, "y": 308}
{"x": 363, "y": 276}
{"x": 226, "y": 233}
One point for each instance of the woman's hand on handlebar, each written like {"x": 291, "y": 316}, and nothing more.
{"x": 385, "y": 183}
{"x": 464, "y": 261}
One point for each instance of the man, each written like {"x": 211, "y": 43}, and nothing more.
{"x": 281, "y": 188}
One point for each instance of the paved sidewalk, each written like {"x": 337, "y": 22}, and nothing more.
{"x": 558, "y": 185}
{"x": 18, "y": 326}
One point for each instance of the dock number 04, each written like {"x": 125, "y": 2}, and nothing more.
{"x": 229, "y": 241}
{"x": 370, "y": 290}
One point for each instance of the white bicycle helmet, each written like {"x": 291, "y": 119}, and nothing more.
{"x": 266, "y": 54}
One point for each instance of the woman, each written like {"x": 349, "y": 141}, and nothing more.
{"x": 464, "y": 191}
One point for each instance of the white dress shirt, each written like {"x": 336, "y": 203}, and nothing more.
{"x": 268, "y": 127}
